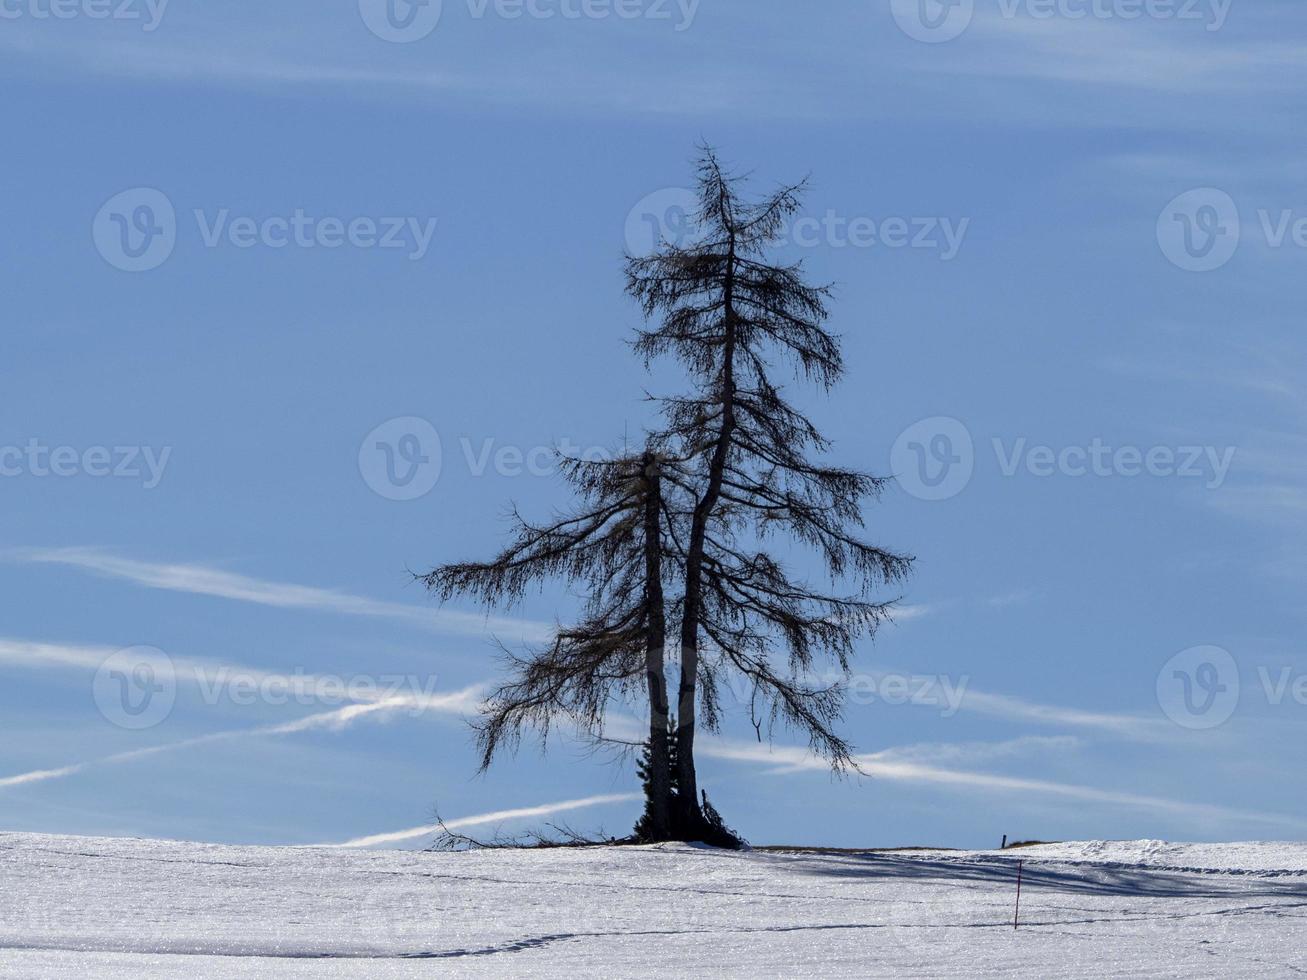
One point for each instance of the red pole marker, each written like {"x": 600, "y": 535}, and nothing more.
{"x": 1017, "y": 915}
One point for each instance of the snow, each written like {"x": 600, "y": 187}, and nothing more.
{"x": 99, "y": 907}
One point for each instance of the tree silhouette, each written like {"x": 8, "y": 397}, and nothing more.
{"x": 724, "y": 309}
{"x": 613, "y": 544}
{"x": 731, "y": 469}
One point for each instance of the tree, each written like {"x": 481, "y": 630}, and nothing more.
{"x": 614, "y": 544}
{"x": 743, "y": 462}
{"x": 697, "y": 508}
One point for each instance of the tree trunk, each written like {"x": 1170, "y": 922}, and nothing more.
{"x": 660, "y": 777}
{"x": 687, "y": 784}
{"x": 691, "y": 816}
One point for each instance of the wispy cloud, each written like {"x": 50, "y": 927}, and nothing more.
{"x": 884, "y": 766}
{"x": 908, "y": 612}
{"x": 1118, "y": 724}
{"x": 37, "y": 655}
{"x": 957, "y": 694}
{"x": 40, "y": 775}
{"x": 1104, "y": 52}
{"x": 337, "y": 720}
{"x": 374, "y": 700}
{"x": 485, "y": 61}
{"x": 945, "y": 764}
{"x": 974, "y": 753}
{"x": 498, "y": 816}
{"x": 208, "y": 581}
{"x": 212, "y": 675}
{"x": 829, "y": 55}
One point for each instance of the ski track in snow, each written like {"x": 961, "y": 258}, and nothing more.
{"x": 100, "y": 907}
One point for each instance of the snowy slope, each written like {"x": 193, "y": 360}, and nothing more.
{"x": 77, "y": 906}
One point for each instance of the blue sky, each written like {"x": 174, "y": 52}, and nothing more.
{"x": 1002, "y": 211}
